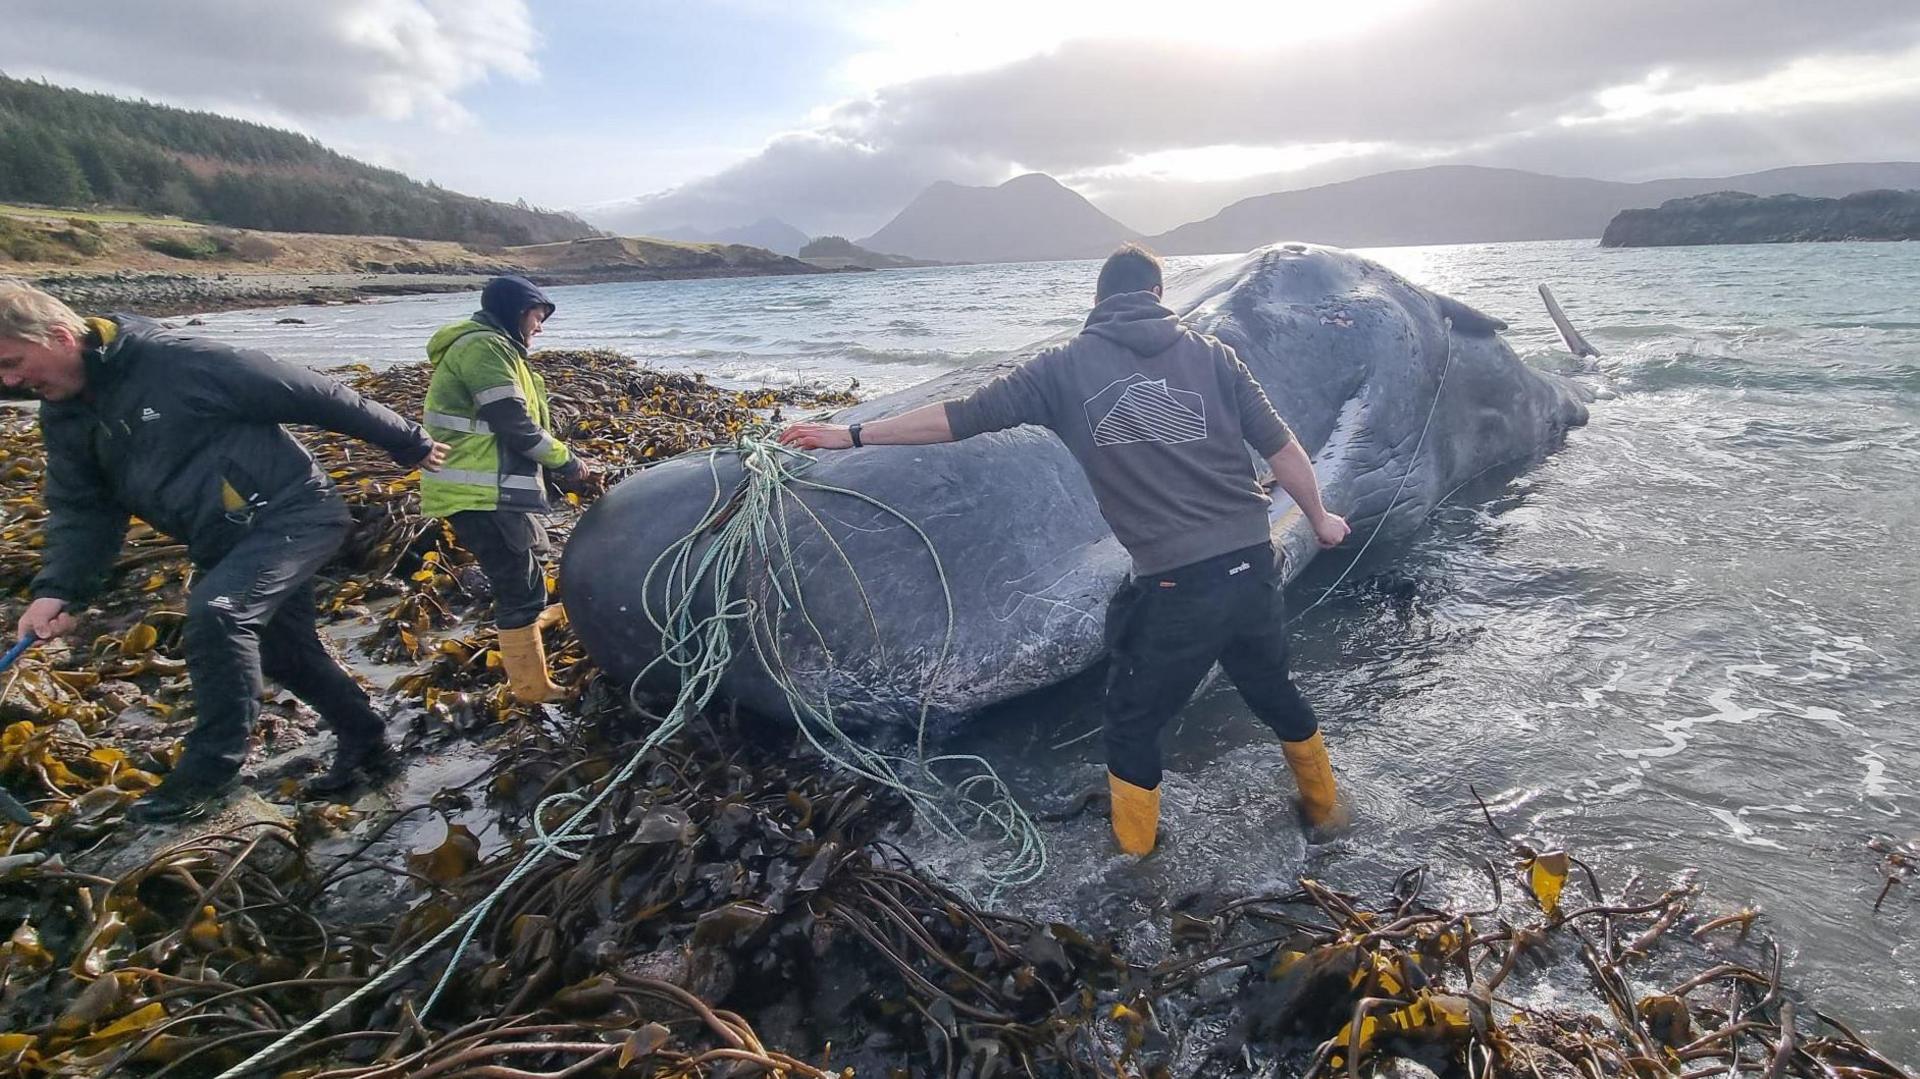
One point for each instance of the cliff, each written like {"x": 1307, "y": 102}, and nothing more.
{"x": 1734, "y": 217}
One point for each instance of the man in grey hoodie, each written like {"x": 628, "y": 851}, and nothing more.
{"x": 1159, "y": 417}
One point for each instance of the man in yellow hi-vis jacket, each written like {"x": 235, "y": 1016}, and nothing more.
{"x": 489, "y": 405}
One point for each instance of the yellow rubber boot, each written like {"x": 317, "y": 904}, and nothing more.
{"x": 1313, "y": 774}
{"x": 525, "y": 656}
{"x": 1136, "y": 815}
{"x": 550, "y": 616}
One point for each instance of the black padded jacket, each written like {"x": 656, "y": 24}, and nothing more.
{"x": 185, "y": 434}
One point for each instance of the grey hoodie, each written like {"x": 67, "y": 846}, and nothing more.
{"x": 1159, "y": 417}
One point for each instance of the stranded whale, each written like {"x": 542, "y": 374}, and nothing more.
{"x": 1398, "y": 394}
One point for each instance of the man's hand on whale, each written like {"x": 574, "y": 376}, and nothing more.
{"x": 1293, "y": 473}
{"x": 923, "y": 426}
{"x": 1331, "y": 529}
{"x": 816, "y": 436}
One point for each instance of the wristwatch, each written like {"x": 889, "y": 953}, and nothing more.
{"x": 854, "y": 432}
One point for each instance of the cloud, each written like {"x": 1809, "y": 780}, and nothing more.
{"x": 1502, "y": 79}
{"x": 1647, "y": 148}
{"x": 286, "y": 63}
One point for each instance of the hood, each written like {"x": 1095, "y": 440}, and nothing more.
{"x": 443, "y": 338}
{"x": 1136, "y": 321}
{"x": 106, "y": 337}
{"x": 507, "y": 298}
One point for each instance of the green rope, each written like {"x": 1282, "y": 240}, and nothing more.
{"x": 754, "y": 525}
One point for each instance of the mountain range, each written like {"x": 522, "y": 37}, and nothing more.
{"x": 1036, "y": 218}
{"x": 1467, "y": 204}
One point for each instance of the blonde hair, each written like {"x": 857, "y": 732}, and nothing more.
{"x": 28, "y": 314}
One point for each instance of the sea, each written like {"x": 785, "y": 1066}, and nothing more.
{"x": 1685, "y": 646}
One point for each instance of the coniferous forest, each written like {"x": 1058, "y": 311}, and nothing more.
{"x": 69, "y": 148}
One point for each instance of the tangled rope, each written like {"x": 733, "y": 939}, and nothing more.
{"x": 748, "y": 528}
{"x": 752, "y": 529}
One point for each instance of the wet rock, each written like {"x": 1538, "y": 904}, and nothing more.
{"x": 670, "y": 965}
{"x": 1402, "y": 1068}
{"x": 240, "y": 812}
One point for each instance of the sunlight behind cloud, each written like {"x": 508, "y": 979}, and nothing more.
{"x": 1228, "y": 161}
{"x": 1804, "y": 82}
{"x": 912, "y": 39}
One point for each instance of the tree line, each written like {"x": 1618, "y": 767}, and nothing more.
{"x": 68, "y": 148}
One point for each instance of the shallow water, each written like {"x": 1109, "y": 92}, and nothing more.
{"x": 1686, "y": 640}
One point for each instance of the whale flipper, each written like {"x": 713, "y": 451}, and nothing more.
{"x": 1576, "y": 344}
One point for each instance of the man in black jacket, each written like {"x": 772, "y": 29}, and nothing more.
{"x": 185, "y": 434}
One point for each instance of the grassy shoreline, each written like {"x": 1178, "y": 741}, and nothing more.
{"x": 164, "y": 266}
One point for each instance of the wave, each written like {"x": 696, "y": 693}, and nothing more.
{"x": 923, "y": 357}
{"x": 1866, "y": 325}
{"x": 1690, "y": 370}
{"x": 781, "y": 377}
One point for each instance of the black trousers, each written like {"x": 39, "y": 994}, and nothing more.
{"x": 508, "y": 544}
{"x": 1167, "y": 630}
{"x": 250, "y": 615}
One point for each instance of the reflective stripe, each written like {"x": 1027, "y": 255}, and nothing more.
{"x": 458, "y": 423}
{"x": 544, "y": 447}
{"x": 510, "y": 391}
{"x": 486, "y": 479}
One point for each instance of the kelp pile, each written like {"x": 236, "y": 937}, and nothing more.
{"x": 740, "y": 909}
{"x": 1440, "y": 988}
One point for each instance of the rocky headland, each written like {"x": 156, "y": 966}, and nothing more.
{"x": 1734, "y": 217}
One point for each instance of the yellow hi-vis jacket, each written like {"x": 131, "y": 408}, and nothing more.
{"x": 490, "y": 465}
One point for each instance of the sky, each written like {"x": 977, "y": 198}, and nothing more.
{"x": 833, "y": 114}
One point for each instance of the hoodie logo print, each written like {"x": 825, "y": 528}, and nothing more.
{"x": 148, "y": 415}
{"x": 1142, "y": 409}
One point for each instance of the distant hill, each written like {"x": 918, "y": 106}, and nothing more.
{"x": 1469, "y": 204}
{"x": 770, "y": 233}
{"x": 1735, "y": 217}
{"x": 1028, "y": 218}
{"x": 840, "y": 253}
{"x": 61, "y": 147}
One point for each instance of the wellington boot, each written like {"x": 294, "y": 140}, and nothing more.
{"x": 182, "y": 797}
{"x": 355, "y": 763}
{"x": 550, "y": 616}
{"x": 525, "y": 656}
{"x": 1136, "y": 815}
{"x": 1319, "y": 799}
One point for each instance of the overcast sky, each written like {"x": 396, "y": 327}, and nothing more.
{"x": 832, "y": 114}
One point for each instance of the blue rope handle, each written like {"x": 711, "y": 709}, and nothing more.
{"x": 18, "y": 650}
